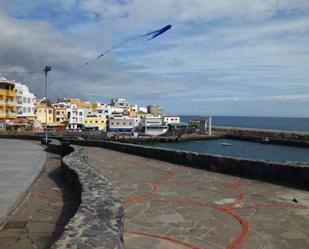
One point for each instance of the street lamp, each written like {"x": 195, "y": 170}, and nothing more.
{"x": 46, "y": 70}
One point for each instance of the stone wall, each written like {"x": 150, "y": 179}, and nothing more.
{"x": 98, "y": 222}
{"x": 295, "y": 174}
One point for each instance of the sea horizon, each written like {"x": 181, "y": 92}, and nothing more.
{"x": 300, "y": 124}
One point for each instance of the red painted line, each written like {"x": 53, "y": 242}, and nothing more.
{"x": 236, "y": 182}
{"x": 154, "y": 189}
{"x": 270, "y": 206}
{"x": 171, "y": 175}
{"x": 176, "y": 241}
{"x": 244, "y": 224}
{"x": 243, "y": 232}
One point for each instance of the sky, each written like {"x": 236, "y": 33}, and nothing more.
{"x": 223, "y": 57}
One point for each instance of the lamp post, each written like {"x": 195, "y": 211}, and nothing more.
{"x": 46, "y": 70}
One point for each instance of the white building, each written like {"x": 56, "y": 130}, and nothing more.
{"x": 81, "y": 114}
{"x": 152, "y": 125}
{"x": 169, "y": 119}
{"x": 142, "y": 109}
{"x": 110, "y": 110}
{"x": 72, "y": 117}
{"x": 121, "y": 103}
{"x": 151, "y": 119}
{"x": 122, "y": 124}
{"x": 25, "y": 101}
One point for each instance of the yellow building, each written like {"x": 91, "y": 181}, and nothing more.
{"x": 41, "y": 114}
{"x": 60, "y": 115}
{"x": 133, "y": 110}
{"x": 95, "y": 122}
{"x": 7, "y": 99}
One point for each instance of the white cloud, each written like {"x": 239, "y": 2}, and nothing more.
{"x": 217, "y": 48}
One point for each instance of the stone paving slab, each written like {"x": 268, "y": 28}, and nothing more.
{"x": 172, "y": 206}
{"x": 40, "y": 218}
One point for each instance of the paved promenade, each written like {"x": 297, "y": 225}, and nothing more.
{"x": 20, "y": 163}
{"x": 169, "y": 206}
{"x": 40, "y": 217}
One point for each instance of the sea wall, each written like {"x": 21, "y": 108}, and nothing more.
{"x": 289, "y": 138}
{"x": 98, "y": 222}
{"x": 295, "y": 174}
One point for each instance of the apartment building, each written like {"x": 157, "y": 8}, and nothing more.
{"x": 40, "y": 115}
{"x": 7, "y": 99}
{"x": 95, "y": 121}
{"x": 25, "y": 102}
{"x": 121, "y": 124}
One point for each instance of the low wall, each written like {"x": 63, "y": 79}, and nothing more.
{"x": 54, "y": 146}
{"x": 295, "y": 174}
{"x": 98, "y": 222}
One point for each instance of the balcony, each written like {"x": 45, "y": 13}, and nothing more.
{"x": 8, "y": 92}
{"x": 8, "y": 115}
{"x": 11, "y": 93}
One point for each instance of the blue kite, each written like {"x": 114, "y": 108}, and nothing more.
{"x": 152, "y": 34}
{"x": 158, "y": 32}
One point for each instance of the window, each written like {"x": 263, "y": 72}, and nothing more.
{"x": 57, "y": 113}
{"x": 80, "y": 114}
{"x": 86, "y": 122}
{"x": 29, "y": 109}
{"x": 24, "y": 109}
{"x": 24, "y": 99}
{"x": 96, "y": 121}
{"x": 102, "y": 122}
{"x": 50, "y": 112}
{"x": 28, "y": 100}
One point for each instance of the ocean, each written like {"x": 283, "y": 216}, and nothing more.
{"x": 269, "y": 123}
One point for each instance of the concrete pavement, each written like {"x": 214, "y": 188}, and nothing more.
{"x": 20, "y": 162}
{"x": 171, "y": 206}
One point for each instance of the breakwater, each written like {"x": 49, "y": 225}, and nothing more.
{"x": 98, "y": 222}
